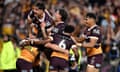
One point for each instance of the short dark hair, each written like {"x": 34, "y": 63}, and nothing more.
{"x": 40, "y": 5}
{"x": 91, "y": 15}
{"x": 63, "y": 14}
{"x": 69, "y": 29}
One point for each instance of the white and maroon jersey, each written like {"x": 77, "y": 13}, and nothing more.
{"x": 94, "y": 32}
{"x": 35, "y": 20}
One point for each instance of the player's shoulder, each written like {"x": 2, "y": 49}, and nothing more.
{"x": 61, "y": 24}
{"x": 48, "y": 14}
{"x": 96, "y": 30}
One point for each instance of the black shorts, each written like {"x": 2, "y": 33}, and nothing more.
{"x": 95, "y": 60}
{"x": 58, "y": 64}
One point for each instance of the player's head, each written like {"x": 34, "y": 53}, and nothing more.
{"x": 69, "y": 29}
{"x": 61, "y": 15}
{"x": 6, "y": 37}
{"x": 90, "y": 19}
{"x": 38, "y": 8}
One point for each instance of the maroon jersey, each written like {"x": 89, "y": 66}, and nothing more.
{"x": 64, "y": 42}
{"x": 35, "y": 20}
{"x": 93, "y": 32}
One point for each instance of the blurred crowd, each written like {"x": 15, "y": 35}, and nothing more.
{"x": 13, "y": 14}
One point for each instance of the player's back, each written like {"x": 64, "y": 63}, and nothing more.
{"x": 64, "y": 42}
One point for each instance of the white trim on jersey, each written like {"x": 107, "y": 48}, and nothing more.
{"x": 92, "y": 27}
{"x": 90, "y": 65}
{"x": 93, "y": 37}
{"x": 43, "y": 19}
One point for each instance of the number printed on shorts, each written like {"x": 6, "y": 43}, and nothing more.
{"x": 62, "y": 44}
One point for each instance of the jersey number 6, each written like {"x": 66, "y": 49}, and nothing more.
{"x": 62, "y": 44}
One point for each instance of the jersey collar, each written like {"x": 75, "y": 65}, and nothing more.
{"x": 41, "y": 20}
{"x": 92, "y": 27}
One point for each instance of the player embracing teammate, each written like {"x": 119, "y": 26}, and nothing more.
{"x": 52, "y": 36}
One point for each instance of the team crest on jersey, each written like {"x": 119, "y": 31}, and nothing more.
{"x": 48, "y": 23}
{"x": 96, "y": 31}
{"x": 55, "y": 30}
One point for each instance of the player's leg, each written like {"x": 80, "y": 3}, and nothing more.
{"x": 63, "y": 71}
{"x": 23, "y": 66}
{"x": 64, "y": 65}
{"x": 94, "y": 63}
{"x": 90, "y": 68}
{"x": 96, "y": 70}
{"x": 53, "y": 71}
{"x": 53, "y": 67}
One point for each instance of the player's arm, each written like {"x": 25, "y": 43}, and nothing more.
{"x": 49, "y": 14}
{"x": 75, "y": 50}
{"x": 56, "y": 47}
{"x": 80, "y": 39}
{"x": 93, "y": 40}
{"x": 34, "y": 41}
{"x": 42, "y": 25}
{"x": 95, "y": 34}
{"x": 52, "y": 22}
{"x": 89, "y": 44}
{"x": 29, "y": 20}
{"x": 29, "y": 24}
{"x": 39, "y": 41}
{"x": 50, "y": 29}
{"x": 46, "y": 32}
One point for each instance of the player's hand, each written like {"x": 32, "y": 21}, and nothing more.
{"x": 24, "y": 42}
{"x": 48, "y": 45}
{"x": 82, "y": 38}
{"x": 32, "y": 25}
{"x": 43, "y": 25}
{"x": 79, "y": 44}
{"x": 66, "y": 52}
{"x": 31, "y": 36}
{"x": 56, "y": 48}
{"x": 34, "y": 41}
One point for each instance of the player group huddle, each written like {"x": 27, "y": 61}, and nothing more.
{"x": 53, "y": 37}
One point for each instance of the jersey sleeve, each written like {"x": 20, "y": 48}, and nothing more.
{"x": 95, "y": 33}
